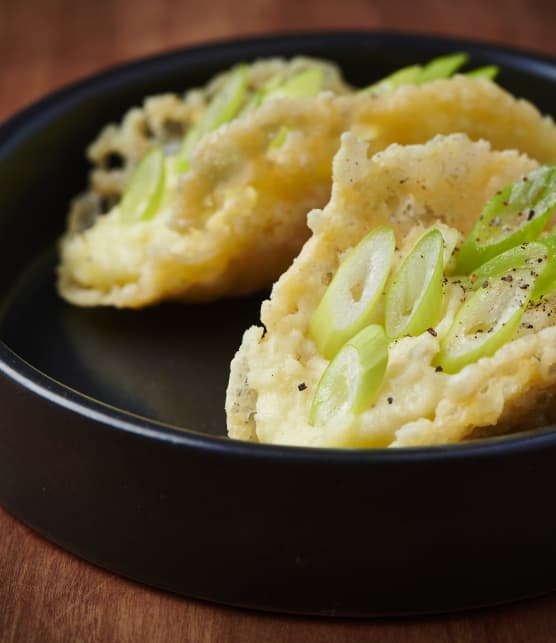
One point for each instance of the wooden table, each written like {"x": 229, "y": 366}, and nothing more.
{"x": 48, "y": 595}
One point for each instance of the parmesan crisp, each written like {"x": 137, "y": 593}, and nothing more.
{"x": 275, "y": 373}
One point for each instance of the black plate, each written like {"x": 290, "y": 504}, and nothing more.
{"x": 112, "y": 440}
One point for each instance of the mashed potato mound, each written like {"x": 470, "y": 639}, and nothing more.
{"x": 234, "y": 222}
{"x": 275, "y": 373}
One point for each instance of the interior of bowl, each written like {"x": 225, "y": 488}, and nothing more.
{"x": 168, "y": 363}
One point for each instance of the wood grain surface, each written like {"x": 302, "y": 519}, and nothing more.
{"x": 48, "y": 595}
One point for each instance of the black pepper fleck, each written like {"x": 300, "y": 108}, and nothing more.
{"x": 432, "y": 332}
{"x": 389, "y": 400}
{"x": 302, "y": 386}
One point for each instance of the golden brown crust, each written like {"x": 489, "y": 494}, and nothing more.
{"x": 243, "y": 203}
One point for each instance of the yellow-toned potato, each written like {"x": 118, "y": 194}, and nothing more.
{"x": 275, "y": 373}
{"x": 235, "y": 220}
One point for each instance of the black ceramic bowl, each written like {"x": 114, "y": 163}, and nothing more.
{"x": 112, "y": 435}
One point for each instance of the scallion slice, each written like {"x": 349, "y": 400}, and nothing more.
{"x": 306, "y": 83}
{"x": 532, "y": 257}
{"x": 517, "y": 214}
{"x": 353, "y": 378}
{"x": 352, "y": 297}
{"x": 485, "y": 322}
{"x": 442, "y": 67}
{"x": 414, "y": 298}
{"x": 144, "y": 193}
{"x": 222, "y": 108}
{"x": 488, "y": 71}
{"x": 404, "y": 76}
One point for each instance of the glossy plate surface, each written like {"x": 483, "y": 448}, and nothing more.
{"x": 112, "y": 432}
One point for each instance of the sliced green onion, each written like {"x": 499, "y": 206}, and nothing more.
{"x": 353, "y": 378}
{"x": 222, "y": 108}
{"x": 532, "y": 257}
{"x": 488, "y": 71}
{"x": 517, "y": 214}
{"x": 253, "y": 102}
{"x": 442, "y": 67}
{"x": 404, "y": 76}
{"x": 485, "y": 322}
{"x": 144, "y": 193}
{"x": 353, "y": 295}
{"x": 451, "y": 238}
{"x": 414, "y": 299}
{"x": 273, "y": 83}
{"x": 280, "y": 138}
{"x": 546, "y": 281}
{"x": 549, "y": 242}
{"x": 306, "y": 83}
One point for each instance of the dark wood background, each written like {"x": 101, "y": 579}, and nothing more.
{"x": 47, "y": 595}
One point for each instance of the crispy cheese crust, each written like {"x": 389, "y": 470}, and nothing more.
{"x": 407, "y": 187}
{"x": 237, "y": 218}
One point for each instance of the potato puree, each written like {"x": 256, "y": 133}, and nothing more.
{"x": 234, "y": 222}
{"x": 275, "y": 372}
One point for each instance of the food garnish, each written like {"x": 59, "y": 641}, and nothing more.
{"x": 353, "y": 378}
{"x": 485, "y": 322}
{"x": 222, "y": 108}
{"x": 414, "y": 298}
{"x": 517, "y": 214}
{"x": 146, "y": 189}
{"x": 354, "y": 293}
{"x": 441, "y": 67}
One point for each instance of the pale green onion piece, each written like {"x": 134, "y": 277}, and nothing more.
{"x": 143, "y": 195}
{"x": 530, "y": 257}
{"x": 306, "y": 83}
{"x": 404, "y": 76}
{"x": 488, "y": 71}
{"x": 222, "y": 108}
{"x": 353, "y": 378}
{"x": 546, "y": 281}
{"x": 253, "y": 102}
{"x": 414, "y": 298}
{"x": 538, "y": 258}
{"x": 258, "y": 97}
{"x": 188, "y": 145}
{"x": 227, "y": 101}
{"x": 353, "y": 295}
{"x": 273, "y": 83}
{"x": 517, "y": 214}
{"x": 451, "y": 238}
{"x": 280, "y": 138}
{"x": 549, "y": 242}
{"x": 485, "y": 322}
{"x": 442, "y": 67}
